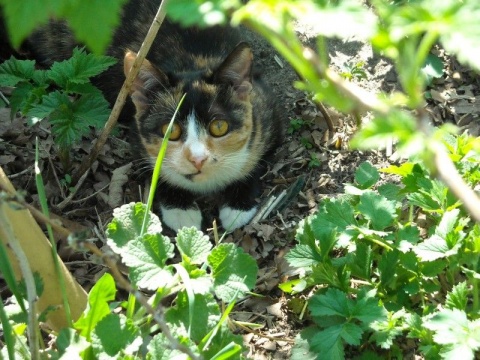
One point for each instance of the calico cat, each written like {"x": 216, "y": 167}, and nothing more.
{"x": 226, "y": 131}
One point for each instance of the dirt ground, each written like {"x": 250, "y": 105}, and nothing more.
{"x": 268, "y": 240}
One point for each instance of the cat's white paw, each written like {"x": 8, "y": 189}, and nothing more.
{"x": 176, "y": 218}
{"x": 234, "y": 218}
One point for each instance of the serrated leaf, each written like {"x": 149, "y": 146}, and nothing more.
{"x": 14, "y": 71}
{"x": 453, "y": 330}
{"x": 303, "y": 256}
{"x": 447, "y": 223}
{"x": 160, "y": 348}
{"x": 301, "y": 349}
{"x": 377, "y": 209}
{"x": 91, "y": 110}
{"x": 101, "y": 293}
{"x": 367, "y": 308}
{"x": 234, "y": 271}
{"x": 326, "y": 273}
{"x": 366, "y": 175}
{"x": 146, "y": 257}
{"x": 127, "y": 225}
{"x": 434, "y": 248}
{"x": 339, "y": 213}
{"x": 328, "y": 342}
{"x": 391, "y": 192}
{"x": 333, "y": 302}
{"x": 78, "y": 69}
{"x": 387, "y": 267}
{"x": 193, "y": 244}
{"x": 458, "y": 297}
{"x": 127, "y": 339}
{"x": 362, "y": 261}
{"x": 50, "y": 103}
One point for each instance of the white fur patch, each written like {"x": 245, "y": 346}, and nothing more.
{"x": 234, "y": 218}
{"x": 176, "y": 218}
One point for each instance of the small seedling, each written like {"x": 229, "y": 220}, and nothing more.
{"x": 354, "y": 70}
{"x": 314, "y": 161}
{"x": 306, "y": 143}
{"x": 295, "y": 125}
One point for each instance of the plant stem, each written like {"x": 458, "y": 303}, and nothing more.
{"x": 124, "y": 91}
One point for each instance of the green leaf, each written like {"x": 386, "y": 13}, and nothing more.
{"x": 460, "y": 337}
{"x": 160, "y": 348}
{"x": 303, "y": 256}
{"x": 79, "y": 68}
{"x": 387, "y": 267}
{"x": 209, "y": 13}
{"x": 366, "y": 175}
{"x": 70, "y": 344}
{"x": 14, "y": 71}
{"x": 333, "y": 302}
{"x": 193, "y": 244}
{"x": 367, "y": 308}
{"x": 326, "y": 273}
{"x": 458, "y": 297}
{"x": 328, "y": 343}
{"x": 377, "y": 209}
{"x": 127, "y": 225}
{"x": 362, "y": 261}
{"x": 388, "y": 329}
{"x": 146, "y": 257}
{"x": 432, "y": 69}
{"x": 127, "y": 339}
{"x": 301, "y": 349}
{"x": 101, "y": 293}
{"x": 234, "y": 271}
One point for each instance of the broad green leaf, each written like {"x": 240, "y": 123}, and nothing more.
{"x": 326, "y": 273}
{"x": 79, "y": 68}
{"x": 460, "y": 337}
{"x": 366, "y": 175}
{"x": 234, "y": 271}
{"x": 434, "y": 248}
{"x": 338, "y": 212}
{"x": 388, "y": 329}
{"x": 391, "y": 192}
{"x": 328, "y": 343}
{"x": 304, "y": 234}
{"x": 333, "y": 302}
{"x": 51, "y": 102}
{"x": 209, "y": 13}
{"x": 362, "y": 261}
{"x": 458, "y": 297}
{"x": 387, "y": 266}
{"x": 447, "y": 224}
{"x": 303, "y": 256}
{"x": 159, "y": 348}
{"x": 101, "y": 293}
{"x": 14, "y": 71}
{"x": 93, "y": 22}
{"x": 126, "y": 340}
{"x": 366, "y": 308}
{"x": 91, "y": 110}
{"x": 71, "y": 344}
{"x": 146, "y": 257}
{"x": 127, "y": 224}
{"x": 377, "y": 209}
{"x": 193, "y": 244}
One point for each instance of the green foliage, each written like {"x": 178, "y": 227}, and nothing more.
{"x": 381, "y": 254}
{"x": 92, "y": 22}
{"x": 354, "y": 70}
{"x": 63, "y": 93}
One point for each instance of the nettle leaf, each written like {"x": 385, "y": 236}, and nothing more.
{"x": 101, "y": 293}
{"x": 366, "y": 175}
{"x": 193, "y": 244}
{"x": 54, "y": 101}
{"x": 14, "y": 71}
{"x": 460, "y": 337}
{"x": 234, "y": 271}
{"x": 303, "y": 256}
{"x": 458, "y": 297}
{"x": 79, "y": 68}
{"x": 146, "y": 257}
{"x": 127, "y": 225}
{"x": 377, "y": 209}
{"x": 91, "y": 110}
{"x": 126, "y": 340}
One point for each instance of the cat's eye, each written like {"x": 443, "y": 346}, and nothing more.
{"x": 218, "y": 127}
{"x": 176, "y": 131}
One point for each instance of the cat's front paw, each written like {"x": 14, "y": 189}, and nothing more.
{"x": 234, "y": 218}
{"x": 176, "y": 218}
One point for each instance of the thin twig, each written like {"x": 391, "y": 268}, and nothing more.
{"x": 122, "y": 96}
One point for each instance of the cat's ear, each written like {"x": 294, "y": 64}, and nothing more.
{"x": 236, "y": 70}
{"x": 148, "y": 77}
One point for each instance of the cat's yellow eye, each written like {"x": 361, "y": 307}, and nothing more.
{"x": 176, "y": 131}
{"x": 218, "y": 127}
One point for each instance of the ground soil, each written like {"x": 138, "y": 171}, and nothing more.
{"x": 269, "y": 240}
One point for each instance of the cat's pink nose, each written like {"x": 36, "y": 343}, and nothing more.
{"x": 198, "y": 161}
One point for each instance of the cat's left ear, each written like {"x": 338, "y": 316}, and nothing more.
{"x": 236, "y": 70}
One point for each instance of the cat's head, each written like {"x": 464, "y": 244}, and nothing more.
{"x": 213, "y": 142}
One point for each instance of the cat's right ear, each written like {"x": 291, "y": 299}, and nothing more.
{"x": 148, "y": 77}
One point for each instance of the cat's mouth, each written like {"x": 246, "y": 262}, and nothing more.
{"x": 191, "y": 176}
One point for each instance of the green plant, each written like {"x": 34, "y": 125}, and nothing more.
{"x": 354, "y": 70}
{"x": 63, "y": 93}
{"x": 386, "y": 279}
{"x": 295, "y": 125}
{"x": 314, "y": 161}
{"x": 306, "y": 143}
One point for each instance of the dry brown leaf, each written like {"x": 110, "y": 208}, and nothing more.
{"x": 115, "y": 190}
